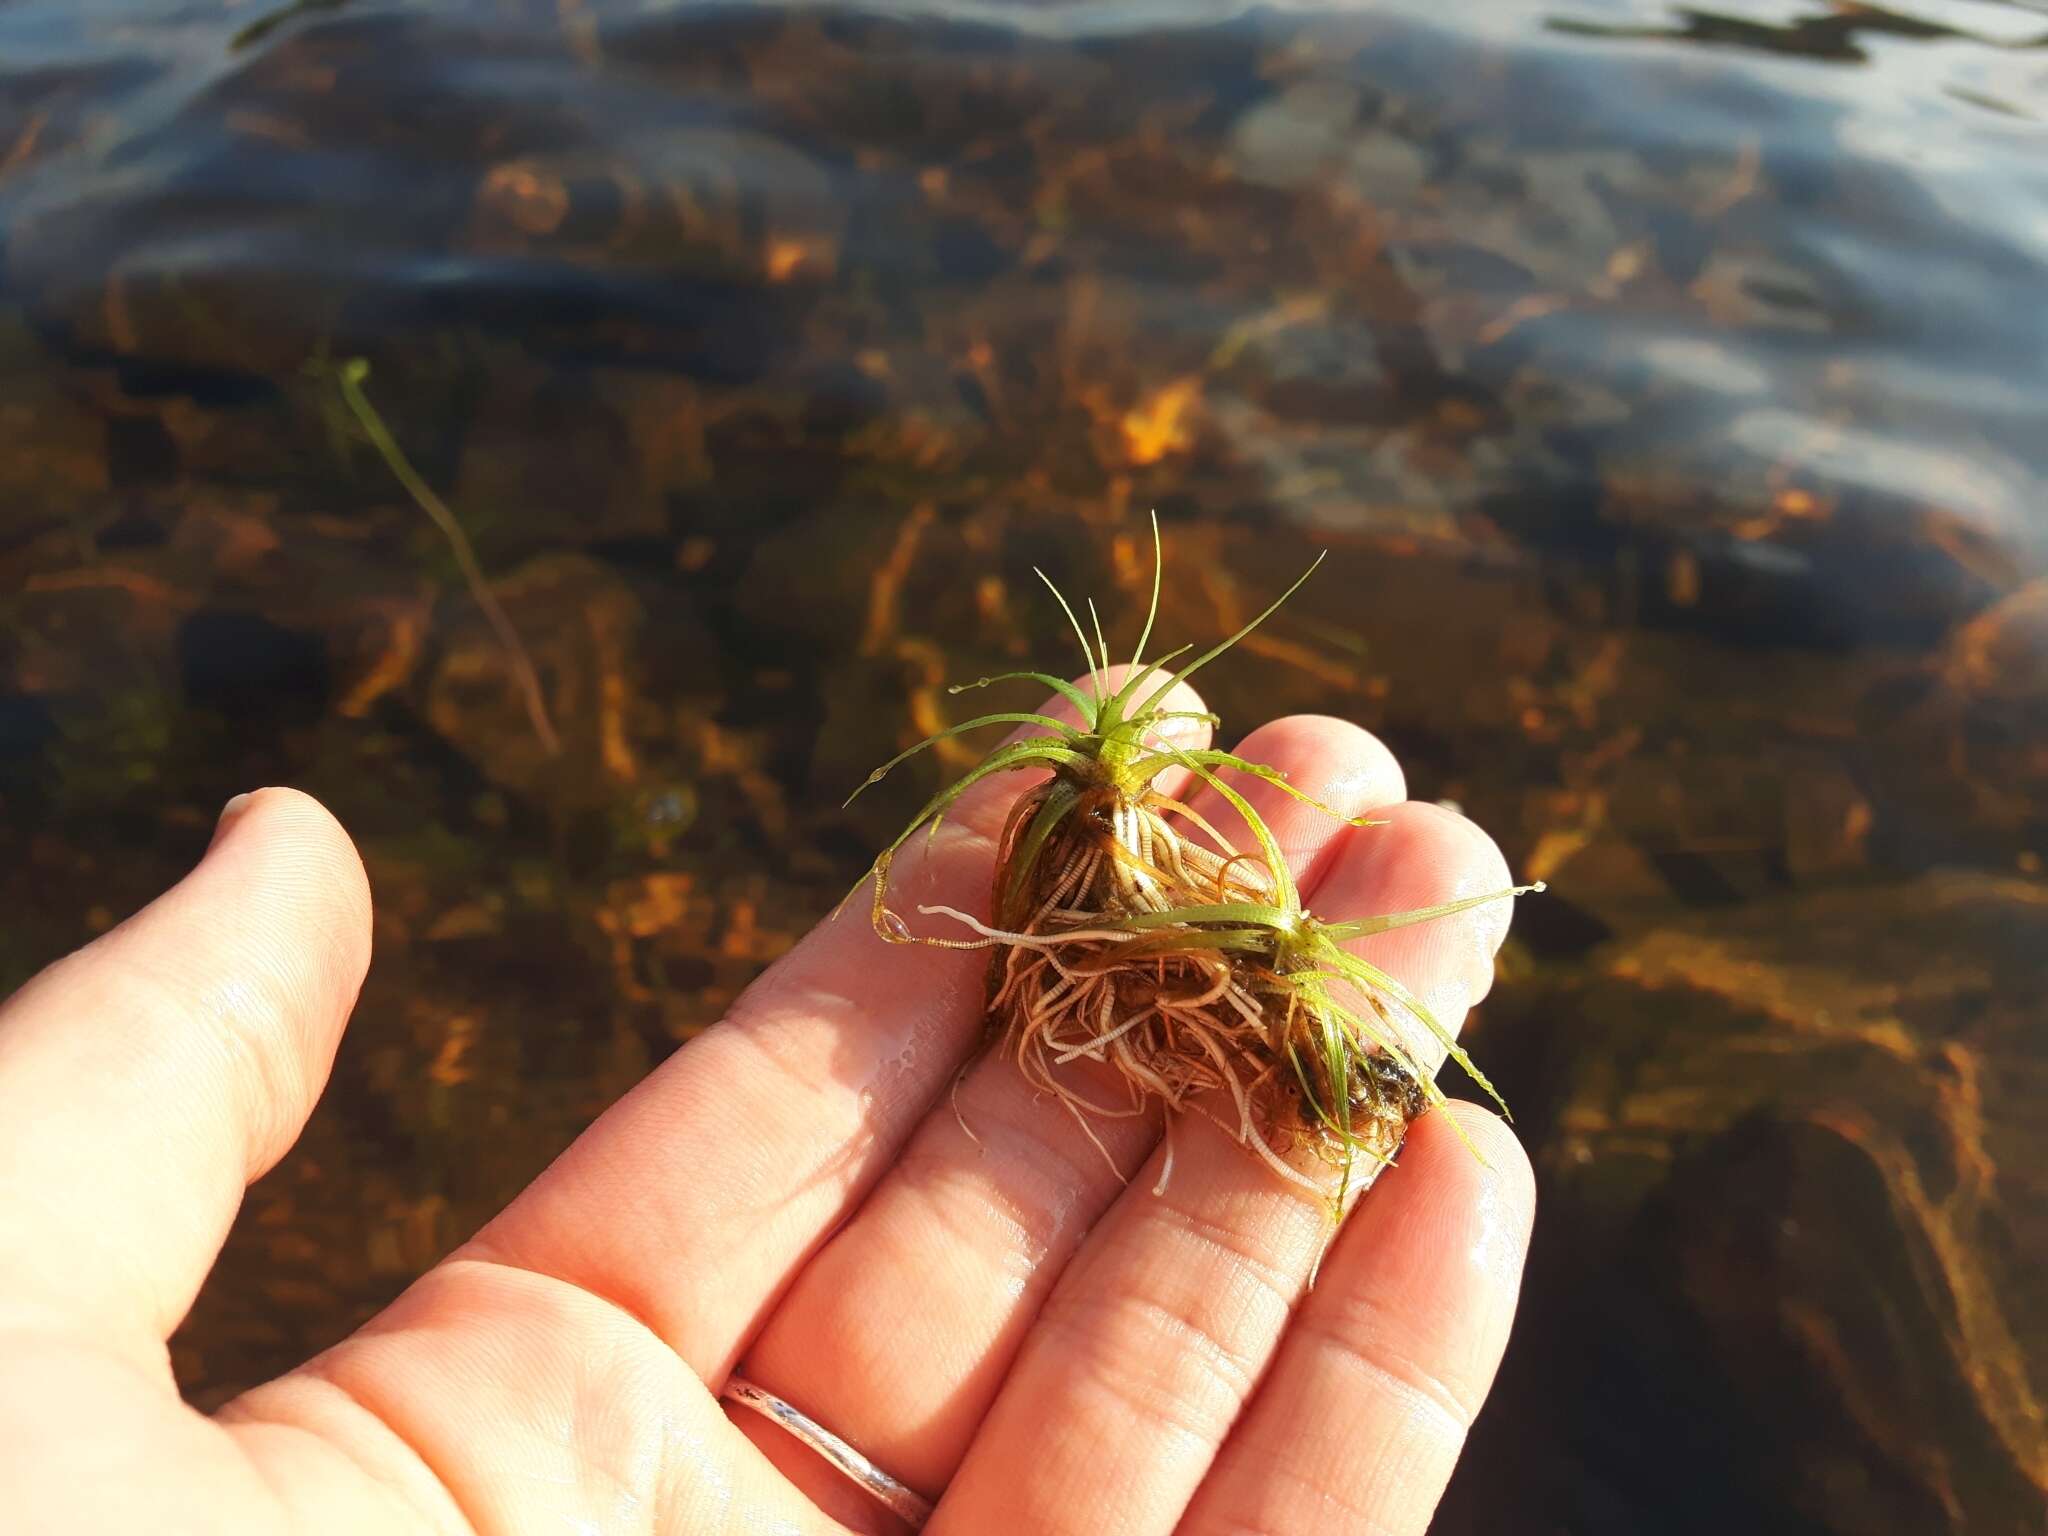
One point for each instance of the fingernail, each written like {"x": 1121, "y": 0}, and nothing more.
{"x": 228, "y": 813}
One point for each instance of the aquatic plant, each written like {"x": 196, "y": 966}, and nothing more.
{"x": 1319, "y": 1024}
{"x": 1253, "y": 998}
{"x": 349, "y": 379}
{"x": 1130, "y": 931}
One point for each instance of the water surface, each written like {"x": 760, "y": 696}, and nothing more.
{"x": 1664, "y": 382}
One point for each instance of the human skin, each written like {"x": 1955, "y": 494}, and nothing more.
{"x": 998, "y": 1318}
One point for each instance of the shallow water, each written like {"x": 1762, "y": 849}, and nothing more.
{"x": 1664, "y": 383}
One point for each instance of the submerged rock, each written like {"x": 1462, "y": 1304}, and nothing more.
{"x": 1793, "y": 1159}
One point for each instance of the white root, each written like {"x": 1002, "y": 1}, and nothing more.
{"x": 991, "y": 937}
{"x": 1166, "y": 1163}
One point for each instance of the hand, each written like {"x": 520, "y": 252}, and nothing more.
{"x": 995, "y": 1318}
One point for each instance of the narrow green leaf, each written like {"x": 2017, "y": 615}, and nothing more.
{"x": 1066, "y": 733}
{"x": 1365, "y": 973}
{"x": 1058, "y": 685}
{"x": 1217, "y": 650}
{"x": 1101, "y": 645}
{"x": 1037, "y": 752}
{"x": 1136, "y": 681}
{"x": 1358, "y": 928}
{"x": 1283, "y": 877}
{"x": 1211, "y": 758}
{"x": 1094, "y": 670}
{"x": 1152, "y": 609}
{"x": 1250, "y": 914}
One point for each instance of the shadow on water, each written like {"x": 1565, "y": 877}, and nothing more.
{"x": 1664, "y": 382}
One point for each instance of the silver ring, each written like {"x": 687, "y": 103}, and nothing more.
{"x": 904, "y": 1503}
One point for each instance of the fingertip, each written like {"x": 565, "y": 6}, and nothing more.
{"x": 159, "y": 1069}
{"x": 1350, "y": 767}
{"x": 229, "y": 815}
{"x": 282, "y": 823}
{"x": 282, "y": 867}
{"x": 1377, "y": 1386}
{"x": 1436, "y": 1250}
{"x": 1459, "y": 853}
{"x": 1486, "y": 1132}
{"x": 1477, "y": 1186}
{"x": 1340, "y": 766}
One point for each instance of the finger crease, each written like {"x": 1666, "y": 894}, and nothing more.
{"x": 1332, "y": 1512}
{"x": 1397, "y": 1368}
{"x": 482, "y": 1252}
{"x": 1159, "y": 1396}
{"x": 315, "y": 1370}
{"x": 1229, "y": 1240}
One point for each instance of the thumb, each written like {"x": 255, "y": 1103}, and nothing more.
{"x": 146, "y": 1079}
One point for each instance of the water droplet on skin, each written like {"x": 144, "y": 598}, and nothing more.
{"x": 1498, "y": 1245}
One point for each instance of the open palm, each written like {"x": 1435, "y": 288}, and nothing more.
{"x": 973, "y": 1298}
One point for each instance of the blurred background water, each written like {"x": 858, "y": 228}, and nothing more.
{"x": 1665, "y": 383}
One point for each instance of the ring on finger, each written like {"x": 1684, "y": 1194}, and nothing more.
{"x": 901, "y": 1501}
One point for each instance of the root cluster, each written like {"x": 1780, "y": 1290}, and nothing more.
{"x": 1101, "y": 956}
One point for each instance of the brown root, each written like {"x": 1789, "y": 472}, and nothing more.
{"x": 1175, "y": 1019}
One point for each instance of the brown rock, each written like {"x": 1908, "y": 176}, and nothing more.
{"x": 1794, "y": 1162}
